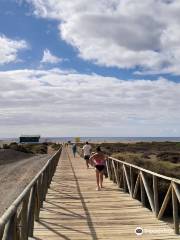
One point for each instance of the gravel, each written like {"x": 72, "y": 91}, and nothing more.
{"x": 17, "y": 169}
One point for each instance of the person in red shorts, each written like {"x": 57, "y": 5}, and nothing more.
{"x": 99, "y": 160}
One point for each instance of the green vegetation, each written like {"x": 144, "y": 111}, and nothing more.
{"x": 28, "y": 148}
{"x": 160, "y": 157}
{"x": 36, "y": 148}
{"x": 55, "y": 146}
{"x": 152, "y": 163}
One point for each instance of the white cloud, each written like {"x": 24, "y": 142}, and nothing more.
{"x": 61, "y": 103}
{"x": 9, "y": 49}
{"x": 48, "y": 57}
{"x": 121, "y": 33}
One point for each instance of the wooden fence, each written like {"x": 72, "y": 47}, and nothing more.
{"x": 144, "y": 186}
{"x": 17, "y": 223}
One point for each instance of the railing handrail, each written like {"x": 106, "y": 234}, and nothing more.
{"x": 147, "y": 171}
{"x": 12, "y": 208}
{"x": 143, "y": 185}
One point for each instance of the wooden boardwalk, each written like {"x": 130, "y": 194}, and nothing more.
{"x": 74, "y": 210}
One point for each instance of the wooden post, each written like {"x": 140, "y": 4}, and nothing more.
{"x": 156, "y": 198}
{"x": 48, "y": 178}
{"x": 131, "y": 180}
{"x": 120, "y": 180}
{"x": 148, "y": 191}
{"x": 177, "y": 191}
{"x": 175, "y": 212}
{"x": 37, "y": 202}
{"x": 115, "y": 173}
{"x": 31, "y": 210}
{"x": 119, "y": 175}
{"x": 1, "y": 232}
{"x": 124, "y": 180}
{"x": 45, "y": 185}
{"x": 110, "y": 168}
{"x": 108, "y": 171}
{"x": 127, "y": 179}
{"x": 142, "y": 191}
{"x": 112, "y": 171}
{"x": 136, "y": 186}
{"x": 41, "y": 190}
{"x": 10, "y": 231}
{"x": 24, "y": 222}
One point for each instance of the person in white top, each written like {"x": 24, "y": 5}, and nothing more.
{"x": 87, "y": 152}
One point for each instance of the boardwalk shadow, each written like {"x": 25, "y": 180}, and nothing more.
{"x": 52, "y": 230}
{"x": 88, "y": 217}
{"x": 59, "y": 226}
{"x": 66, "y": 209}
{"x": 58, "y": 229}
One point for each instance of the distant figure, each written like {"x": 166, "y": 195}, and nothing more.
{"x": 87, "y": 152}
{"x": 74, "y": 149}
{"x": 99, "y": 159}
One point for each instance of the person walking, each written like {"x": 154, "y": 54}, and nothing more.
{"x": 99, "y": 159}
{"x": 74, "y": 149}
{"x": 87, "y": 152}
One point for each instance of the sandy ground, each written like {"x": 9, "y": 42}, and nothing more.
{"x": 16, "y": 171}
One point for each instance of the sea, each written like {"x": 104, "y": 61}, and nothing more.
{"x": 117, "y": 139}
{"x": 102, "y": 139}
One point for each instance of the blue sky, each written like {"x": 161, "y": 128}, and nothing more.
{"x": 75, "y": 66}
{"x": 41, "y": 34}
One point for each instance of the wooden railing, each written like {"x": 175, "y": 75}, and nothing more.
{"x": 17, "y": 223}
{"x": 144, "y": 186}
